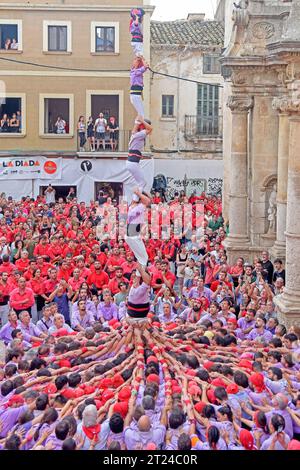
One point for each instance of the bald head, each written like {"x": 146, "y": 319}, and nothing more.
{"x": 144, "y": 424}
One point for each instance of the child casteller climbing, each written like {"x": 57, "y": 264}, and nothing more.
{"x": 136, "y": 31}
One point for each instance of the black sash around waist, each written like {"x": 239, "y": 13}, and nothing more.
{"x": 138, "y": 310}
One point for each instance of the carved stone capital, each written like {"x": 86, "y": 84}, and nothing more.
{"x": 287, "y": 105}
{"x": 240, "y": 104}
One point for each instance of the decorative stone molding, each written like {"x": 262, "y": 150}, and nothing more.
{"x": 240, "y": 103}
{"x": 287, "y": 105}
{"x": 263, "y": 30}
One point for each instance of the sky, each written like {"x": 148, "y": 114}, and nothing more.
{"x": 178, "y": 9}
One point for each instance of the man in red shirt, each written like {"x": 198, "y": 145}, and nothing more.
{"x": 164, "y": 276}
{"x": 22, "y": 264}
{"x": 22, "y": 298}
{"x": 4, "y": 297}
{"x": 29, "y": 273}
{"x": 113, "y": 284}
{"x": 221, "y": 281}
{"x": 129, "y": 265}
{"x": 51, "y": 284}
{"x": 114, "y": 260}
{"x": 42, "y": 248}
{"x": 7, "y": 266}
{"x": 65, "y": 271}
{"x": 98, "y": 278}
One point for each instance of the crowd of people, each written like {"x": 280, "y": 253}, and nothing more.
{"x": 96, "y": 132}
{"x": 210, "y": 367}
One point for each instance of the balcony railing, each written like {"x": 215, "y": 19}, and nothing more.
{"x": 119, "y": 144}
{"x": 203, "y": 126}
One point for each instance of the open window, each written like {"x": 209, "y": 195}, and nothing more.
{"x": 12, "y": 115}
{"x": 56, "y": 115}
{"x": 10, "y": 35}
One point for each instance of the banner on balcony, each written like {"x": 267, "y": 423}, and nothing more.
{"x": 24, "y": 168}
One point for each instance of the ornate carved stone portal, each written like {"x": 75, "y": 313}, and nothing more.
{"x": 262, "y": 69}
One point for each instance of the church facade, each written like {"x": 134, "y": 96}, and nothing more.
{"x": 261, "y": 68}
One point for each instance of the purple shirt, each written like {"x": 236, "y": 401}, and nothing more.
{"x": 85, "y": 321}
{"x": 89, "y": 306}
{"x": 43, "y": 325}
{"x": 195, "y": 294}
{"x": 255, "y": 335}
{"x": 29, "y": 331}
{"x": 8, "y": 419}
{"x": 137, "y": 76}
{"x": 287, "y": 418}
{"x": 5, "y": 332}
{"x": 140, "y": 294}
{"x": 137, "y": 440}
{"x": 107, "y": 312}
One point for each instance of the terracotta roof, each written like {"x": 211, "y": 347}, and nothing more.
{"x": 187, "y": 32}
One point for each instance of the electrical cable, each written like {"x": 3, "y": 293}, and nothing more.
{"x": 72, "y": 69}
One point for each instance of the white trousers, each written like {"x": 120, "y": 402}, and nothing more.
{"x": 137, "y": 103}
{"x": 138, "y": 48}
{"x": 137, "y": 246}
{"x": 137, "y": 174}
{"x": 4, "y": 309}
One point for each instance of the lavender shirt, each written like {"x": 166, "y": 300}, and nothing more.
{"x": 107, "y": 312}
{"x": 194, "y": 293}
{"x": 85, "y": 321}
{"x": 5, "y": 332}
{"x": 89, "y": 306}
{"x": 8, "y": 419}
{"x": 287, "y": 418}
{"x": 137, "y": 76}
{"x": 137, "y": 440}
{"x": 29, "y": 331}
{"x": 139, "y": 295}
{"x": 43, "y": 324}
{"x": 254, "y": 335}
{"x": 136, "y": 214}
{"x": 137, "y": 141}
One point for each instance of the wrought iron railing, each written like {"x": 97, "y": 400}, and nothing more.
{"x": 203, "y": 126}
{"x": 119, "y": 143}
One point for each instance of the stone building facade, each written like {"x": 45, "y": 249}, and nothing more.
{"x": 187, "y": 115}
{"x": 261, "y": 68}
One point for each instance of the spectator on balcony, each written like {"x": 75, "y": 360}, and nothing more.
{"x": 50, "y": 195}
{"x": 60, "y": 125}
{"x": 100, "y": 128}
{"x": 113, "y": 132}
{"x": 14, "y": 124}
{"x": 72, "y": 194}
{"x": 14, "y": 45}
{"x": 7, "y": 44}
{"x": 4, "y": 123}
{"x": 91, "y": 134}
{"x": 81, "y": 128}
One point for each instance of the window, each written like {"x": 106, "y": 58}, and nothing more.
{"x": 104, "y": 37}
{"x": 211, "y": 64}
{"x": 57, "y": 36}
{"x": 167, "y": 106}
{"x": 12, "y": 114}
{"x": 56, "y": 115}
{"x": 208, "y": 110}
{"x": 11, "y": 35}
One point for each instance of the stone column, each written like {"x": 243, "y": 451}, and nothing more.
{"x": 278, "y": 250}
{"x": 289, "y": 303}
{"x": 238, "y": 238}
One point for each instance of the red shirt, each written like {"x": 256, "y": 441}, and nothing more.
{"x": 55, "y": 251}
{"x": 50, "y": 286}
{"x": 113, "y": 284}
{"x": 16, "y": 299}
{"x": 22, "y": 264}
{"x": 41, "y": 250}
{"x": 7, "y": 268}
{"x": 75, "y": 284}
{"x": 4, "y": 291}
{"x": 64, "y": 274}
{"x": 37, "y": 286}
{"x": 99, "y": 280}
{"x": 128, "y": 267}
{"x": 215, "y": 285}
